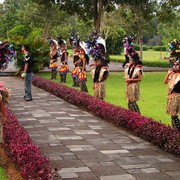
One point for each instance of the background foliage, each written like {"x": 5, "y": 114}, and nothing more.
{"x": 153, "y": 22}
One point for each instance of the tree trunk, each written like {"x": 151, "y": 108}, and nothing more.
{"x": 96, "y": 16}
{"x": 140, "y": 42}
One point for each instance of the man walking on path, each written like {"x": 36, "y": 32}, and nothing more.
{"x": 27, "y": 73}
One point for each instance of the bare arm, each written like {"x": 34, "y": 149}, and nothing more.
{"x": 170, "y": 72}
{"x": 128, "y": 80}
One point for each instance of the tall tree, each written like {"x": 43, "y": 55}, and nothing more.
{"x": 94, "y": 9}
{"x": 138, "y": 14}
{"x": 168, "y": 10}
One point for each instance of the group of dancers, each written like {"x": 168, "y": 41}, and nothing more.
{"x": 92, "y": 51}
{"x": 134, "y": 72}
{"x": 95, "y": 48}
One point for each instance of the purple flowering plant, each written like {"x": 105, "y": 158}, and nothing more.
{"x": 23, "y": 152}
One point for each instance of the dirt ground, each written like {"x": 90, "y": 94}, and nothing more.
{"x": 10, "y": 168}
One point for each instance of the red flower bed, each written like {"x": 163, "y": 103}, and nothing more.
{"x": 23, "y": 152}
{"x": 157, "y": 133}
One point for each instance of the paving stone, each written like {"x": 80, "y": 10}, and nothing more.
{"x": 115, "y": 151}
{"x": 80, "y": 132}
{"x": 136, "y": 166}
{"x": 107, "y": 170}
{"x": 152, "y": 176}
{"x": 64, "y": 118}
{"x": 74, "y": 170}
{"x": 55, "y": 158}
{"x": 80, "y": 147}
{"x": 118, "y": 177}
{"x": 68, "y": 137}
{"x": 130, "y": 161}
{"x": 107, "y": 163}
{"x": 96, "y": 127}
{"x": 87, "y": 176}
{"x": 173, "y": 166}
{"x": 174, "y": 174}
{"x": 136, "y": 146}
{"x": 78, "y": 115}
{"x": 92, "y": 164}
{"x": 150, "y": 170}
{"x": 156, "y": 158}
{"x": 58, "y": 128}
{"x": 68, "y": 175}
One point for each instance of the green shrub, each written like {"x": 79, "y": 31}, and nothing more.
{"x": 39, "y": 50}
{"x": 114, "y": 46}
{"x": 137, "y": 48}
{"x": 159, "y": 48}
{"x": 19, "y": 30}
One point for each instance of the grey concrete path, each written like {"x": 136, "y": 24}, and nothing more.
{"x": 83, "y": 146}
{"x": 117, "y": 67}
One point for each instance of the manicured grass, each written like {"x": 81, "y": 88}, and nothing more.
{"x": 149, "y": 55}
{"x": 152, "y": 102}
{"x": 2, "y": 174}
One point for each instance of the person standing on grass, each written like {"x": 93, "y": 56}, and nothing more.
{"x": 63, "y": 70}
{"x": 74, "y": 71}
{"x": 53, "y": 59}
{"x": 81, "y": 63}
{"x": 173, "y": 98}
{"x": 27, "y": 72}
{"x": 99, "y": 76}
{"x": 133, "y": 75}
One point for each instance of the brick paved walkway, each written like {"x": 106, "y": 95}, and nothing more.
{"x": 82, "y": 146}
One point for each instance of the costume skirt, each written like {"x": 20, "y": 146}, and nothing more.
{"x": 100, "y": 90}
{"x": 132, "y": 92}
{"x": 173, "y": 104}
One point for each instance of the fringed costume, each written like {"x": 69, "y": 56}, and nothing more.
{"x": 173, "y": 80}
{"x": 64, "y": 69}
{"x": 53, "y": 61}
{"x": 81, "y": 73}
{"x": 99, "y": 76}
{"x": 133, "y": 75}
{"x": 173, "y": 99}
{"x": 74, "y": 71}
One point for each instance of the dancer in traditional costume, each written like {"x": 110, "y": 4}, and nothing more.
{"x": 81, "y": 63}
{"x": 53, "y": 60}
{"x": 173, "y": 99}
{"x": 99, "y": 76}
{"x": 64, "y": 69}
{"x": 133, "y": 75}
{"x": 74, "y": 71}
{"x": 128, "y": 43}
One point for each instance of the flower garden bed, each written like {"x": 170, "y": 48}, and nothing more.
{"x": 148, "y": 129}
{"x": 23, "y": 152}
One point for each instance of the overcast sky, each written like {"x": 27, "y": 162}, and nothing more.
{"x": 1, "y": 1}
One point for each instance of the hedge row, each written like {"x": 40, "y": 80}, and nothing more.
{"x": 156, "y": 133}
{"x": 146, "y": 63}
{"x": 155, "y": 48}
{"x": 23, "y": 152}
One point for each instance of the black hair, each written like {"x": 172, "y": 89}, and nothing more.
{"x": 26, "y": 47}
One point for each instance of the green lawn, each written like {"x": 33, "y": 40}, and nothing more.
{"x": 150, "y": 55}
{"x": 152, "y": 102}
{"x": 2, "y": 174}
